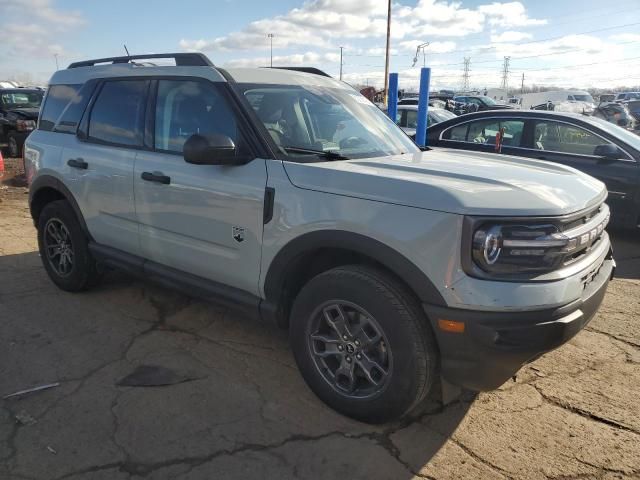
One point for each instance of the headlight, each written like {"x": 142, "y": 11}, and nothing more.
{"x": 509, "y": 249}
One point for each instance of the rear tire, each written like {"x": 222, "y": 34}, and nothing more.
{"x": 64, "y": 248}
{"x": 385, "y": 375}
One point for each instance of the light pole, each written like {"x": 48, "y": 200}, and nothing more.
{"x": 55, "y": 55}
{"x": 341, "y": 48}
{"x": 270, "y": 35}
{"x": 386, "y": 62}
{"x": 422, "y": 46}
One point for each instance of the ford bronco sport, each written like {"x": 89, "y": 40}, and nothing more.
{"x": 291, "y": 196}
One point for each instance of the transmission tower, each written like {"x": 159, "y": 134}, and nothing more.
{"x": 465, "y": 74}
{"x": 505, "y": 74}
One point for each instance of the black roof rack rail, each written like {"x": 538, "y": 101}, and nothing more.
{"x": 315, "y": 71}
{"x": 182, "y": 59}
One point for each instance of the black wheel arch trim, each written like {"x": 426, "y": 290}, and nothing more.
{"x": 307, "y": 243}
{"x": 49, "y": 181}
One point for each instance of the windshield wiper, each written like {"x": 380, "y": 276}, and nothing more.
{"x": 328, "y": 154}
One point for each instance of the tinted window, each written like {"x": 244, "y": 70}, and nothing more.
{"x": 72, "y": 114}
{"x": 58, "y": 97}
{"x": 485, "y": 131}
{"x": 184, "y": 108}
{"x": 561, "y": 137}
{"x": 118, "y": 113}
{"x": 457, "y": 133}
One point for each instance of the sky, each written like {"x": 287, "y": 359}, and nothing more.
{"x": 568, "y": 43}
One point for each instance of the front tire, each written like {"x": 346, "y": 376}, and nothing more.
{"x": 64, "y": 248}
{"x": 14, "y": 146}
{"x": 363, "y": 344}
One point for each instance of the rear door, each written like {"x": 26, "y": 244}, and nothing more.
{"x": 574, "y": 146}
{"x": 102, "y": 156}
{"x": 205, "y": 220}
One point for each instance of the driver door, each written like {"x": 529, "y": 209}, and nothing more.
{"x": 205, "y": 220}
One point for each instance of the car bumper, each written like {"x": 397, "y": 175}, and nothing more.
{"x": 495, "y": 345}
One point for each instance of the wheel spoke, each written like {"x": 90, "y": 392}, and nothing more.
{"x": 371, "y": 369}
{"x": 345, "y": 377}
{"x": 366, "y": 336}
{"x": 330, "y": 345}
{"x": 53, "y": 231}
{"x": 53, "y": 250}
{"x": 337, "y": 319}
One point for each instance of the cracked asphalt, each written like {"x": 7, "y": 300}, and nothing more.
{"x": 243, "y": 410}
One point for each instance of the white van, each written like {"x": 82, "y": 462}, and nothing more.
{"x": 567, "y": 100}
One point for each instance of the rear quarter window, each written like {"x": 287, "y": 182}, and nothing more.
{"x": 58, "y": 97}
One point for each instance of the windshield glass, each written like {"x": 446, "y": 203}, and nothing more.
{"x": 623, "y": 134}
{"x": 21, "y": 99}
{"x": 441, "y": 115}
{"x": 325, "y": 119}
{"x": 488, "y": 100}
{"x": 583, "y": 98}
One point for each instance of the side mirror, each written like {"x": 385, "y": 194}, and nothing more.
{"x": 608, "y": 151}
{"x": 211, "y": 149}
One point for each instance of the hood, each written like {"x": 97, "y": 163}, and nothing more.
{"x": 27, "y": 113}
{"x": 456, "y": 181}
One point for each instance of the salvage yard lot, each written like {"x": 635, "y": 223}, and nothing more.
{"x": 236, "y": 406}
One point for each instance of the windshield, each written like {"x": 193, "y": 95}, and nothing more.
{"x": 488, "y": 100}
{"x": 623, "y": 134}
{"x": 21, "y": 99}
{"x": 581, "y": 98}
{"x": 325, "y": 119}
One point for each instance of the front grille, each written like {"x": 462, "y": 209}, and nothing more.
{"x": 586, "y": 230}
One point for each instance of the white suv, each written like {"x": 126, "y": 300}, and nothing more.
{"x": 291, "y": 196}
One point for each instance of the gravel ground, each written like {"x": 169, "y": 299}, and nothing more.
{"x": 241, "y": 410}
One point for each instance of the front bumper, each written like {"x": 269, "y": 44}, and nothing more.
{"x": 495, "y": 345}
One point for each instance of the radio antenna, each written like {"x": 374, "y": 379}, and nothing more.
{"x": 127, "y": 50}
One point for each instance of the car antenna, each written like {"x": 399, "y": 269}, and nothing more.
{"x": 126, "y": 50}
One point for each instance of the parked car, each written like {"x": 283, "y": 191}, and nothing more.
{"x": 18, "y": 115}
{"x": 290, "y": 196}
{"x": 633, "y": 106}
{"x": 476, "y": 103}
{"x": 407, "y": 117}
{"x": 626, "y": 96}
{"x": 616, "y": 113}
{"x": 592, "y": 145}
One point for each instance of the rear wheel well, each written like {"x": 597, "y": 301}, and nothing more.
{"x": 310, "y": 264}
{"x": 43, "y": 197}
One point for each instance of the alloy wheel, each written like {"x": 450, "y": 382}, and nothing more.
{"x": 58, "y": 247}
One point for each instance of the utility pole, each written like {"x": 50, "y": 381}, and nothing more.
{"x": 522, "y": 86}
{"x": 505, "y": 74}
{"x": 270, "y": 35}
{"x": 465, "y": 75}
{"x": 341, "y": 48}
{"x": 386, "y": 63}
{"x": 55, "y": 55}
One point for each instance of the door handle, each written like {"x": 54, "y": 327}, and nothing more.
{"x": 156, "y": 177}
{"x": 77, "y": 163}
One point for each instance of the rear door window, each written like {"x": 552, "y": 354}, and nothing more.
{"x": 72, "y": 114}
{"x": 58, "y": 97}
{"x": 117, "y": 116}
{"x": 485, "y": 131}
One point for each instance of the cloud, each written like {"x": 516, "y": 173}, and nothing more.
{"x": 308, "y": 58}
{"x": 512, "y": 14}
{"x": 38, "y": 38}
{"x": 510, "y": 36}
{"x": 328, "y": 23}
{"x": 625, "y": 37}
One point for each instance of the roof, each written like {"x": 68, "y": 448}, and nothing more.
{"x": 278, "y": 76}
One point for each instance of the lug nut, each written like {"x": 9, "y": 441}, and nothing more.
{"x": 357, "y": 342}
{"x": 340, "y": 347}
{"x": 344, "y": 337}
{"x": 358, "y": 356}
{"x": 348, "y": 359}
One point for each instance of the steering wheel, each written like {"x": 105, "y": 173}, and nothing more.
{"x": 352, "y": 142}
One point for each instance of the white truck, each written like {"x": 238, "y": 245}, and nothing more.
{"x": 575, "y": 101}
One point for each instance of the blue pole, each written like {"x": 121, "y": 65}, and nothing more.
{"x": 423, "y": 107}
{"x": 392, "y": 97}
